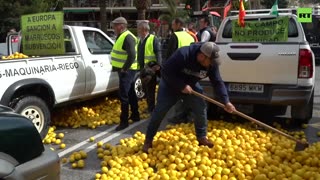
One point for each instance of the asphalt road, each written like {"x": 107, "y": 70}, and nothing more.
{"x": 77, "y": 139}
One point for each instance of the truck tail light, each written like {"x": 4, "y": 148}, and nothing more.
{"x": 305, "y": 68}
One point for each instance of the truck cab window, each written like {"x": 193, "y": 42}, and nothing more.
{"x": 97, "y": 43}
{"x": 68, "y": 43}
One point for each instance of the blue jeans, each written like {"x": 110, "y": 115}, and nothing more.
{"x": 167, "y": 98}
{"x": 128, "y": 96}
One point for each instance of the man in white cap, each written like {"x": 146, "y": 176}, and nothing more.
{"x": 124, "y": 60}
{"x": 179, "y": 76}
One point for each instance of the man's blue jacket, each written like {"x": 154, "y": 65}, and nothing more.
{"x": 182, "y": 68}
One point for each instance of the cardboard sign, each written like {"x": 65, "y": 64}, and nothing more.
{"x": 274, "y": 30}
{"x": 42, "y": 34}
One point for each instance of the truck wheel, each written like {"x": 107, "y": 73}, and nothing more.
{"x": 138, "y": 88}
{"x": 302, "y": 113}
{"x": 37, "y": 111}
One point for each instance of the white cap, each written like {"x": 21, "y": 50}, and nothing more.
{"x": 120, "y": 20}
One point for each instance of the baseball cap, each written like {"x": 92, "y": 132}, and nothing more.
{"x": 211, "y": 50}
{"x": 120, "y": 20}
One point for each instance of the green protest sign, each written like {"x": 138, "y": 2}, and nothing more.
{"x": 274, "y": 30}
{"x": 42, "y": 33}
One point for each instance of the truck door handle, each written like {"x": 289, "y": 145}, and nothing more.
{"x": 94, "y": 61}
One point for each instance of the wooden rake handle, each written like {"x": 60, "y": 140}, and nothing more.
{"x": 248, "y": 117}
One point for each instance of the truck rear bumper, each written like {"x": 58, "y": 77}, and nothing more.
{"x": 272, "y": 95}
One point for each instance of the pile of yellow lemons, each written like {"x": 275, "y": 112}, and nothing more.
{"x": 15, "y": 55}
{"x": 92, "y": 114}
{"x": 240, "y": 151}
{"x": 76, "y": 159}
{"x": 53, "y": 138}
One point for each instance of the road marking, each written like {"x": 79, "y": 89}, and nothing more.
{"x": 116, "y": 134}
{"x": 66, "y": 151}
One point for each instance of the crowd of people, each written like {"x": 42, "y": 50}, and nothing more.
{"x": 190, "y": 57}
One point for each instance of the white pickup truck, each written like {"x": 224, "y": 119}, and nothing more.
{"x": 268, "y": 74}
{"x": 33, "y": 86}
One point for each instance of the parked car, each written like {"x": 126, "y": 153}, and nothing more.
{"x": 22, "y": 153}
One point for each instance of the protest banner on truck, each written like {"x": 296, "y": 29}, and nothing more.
{"x": 42, "y": 33}
{"x": 273, "y": 30}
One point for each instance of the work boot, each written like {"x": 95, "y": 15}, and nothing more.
{"x": 146, "y": 146}
{"x": 135, "y": 118}
{"x": 204, "y": 141}
{"x": 121, "y": 126}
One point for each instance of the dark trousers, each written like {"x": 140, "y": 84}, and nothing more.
{"x": 167, "y": 98}
{"x": 150, "y": 89}
{"x": 128, "y": 96}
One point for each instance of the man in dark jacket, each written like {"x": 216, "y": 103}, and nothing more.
{"x": 179, "y": 76}
{"x": 205, "y": 33}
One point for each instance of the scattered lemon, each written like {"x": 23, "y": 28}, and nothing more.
{"x": 64, "y": 160}
{"x": 58, "y": 141}
{"x": 91, "y": 139}
{"x": 99, "y": 144}
{"x": 80, "y": 163}
{"x": 60, "y": 135}
{"x": 62, "y": 146}
{"x": 83, "y": 154}
{"x": 74, "y": 165}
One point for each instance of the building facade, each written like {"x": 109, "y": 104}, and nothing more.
{"x": 87, "y": 12}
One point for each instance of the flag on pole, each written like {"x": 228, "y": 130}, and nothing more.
{"x": 227, "y": 9}
{"x": 242, "y": 13}
{"x": 274, "y": 9}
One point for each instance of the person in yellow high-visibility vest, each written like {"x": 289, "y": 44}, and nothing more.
{"x": 123, "y": 60}
{"x": 179, "y": 38}
{"x": 149, "y": 53}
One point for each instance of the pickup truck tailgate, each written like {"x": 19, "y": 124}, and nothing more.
{"x": 260, "y": 63}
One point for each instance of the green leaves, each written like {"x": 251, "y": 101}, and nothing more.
{"x": 11, "y": 11}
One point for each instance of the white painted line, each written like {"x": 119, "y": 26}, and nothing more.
{"x": 116, "y": 134}
{"x": 68, "y": 150}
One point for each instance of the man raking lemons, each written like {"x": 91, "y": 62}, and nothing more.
{"x": 179, "y": 76}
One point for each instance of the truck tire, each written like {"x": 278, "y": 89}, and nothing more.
{"x": 138, "y": 88}
{"x": 35, "y": 109}
{"x": 302, "y": 113}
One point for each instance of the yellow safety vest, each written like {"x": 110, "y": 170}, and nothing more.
{"x": 119, "y": 56}
{"x": 184, "y": 38}
{"x": 149, "y": 55}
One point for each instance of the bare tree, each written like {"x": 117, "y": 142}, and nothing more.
{"x": 142, "y": 6}
{"x": 103, "y": 15}
{"x": 196, "y": 5}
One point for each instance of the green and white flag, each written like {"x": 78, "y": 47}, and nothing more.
{"x": 274, "y": 9}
